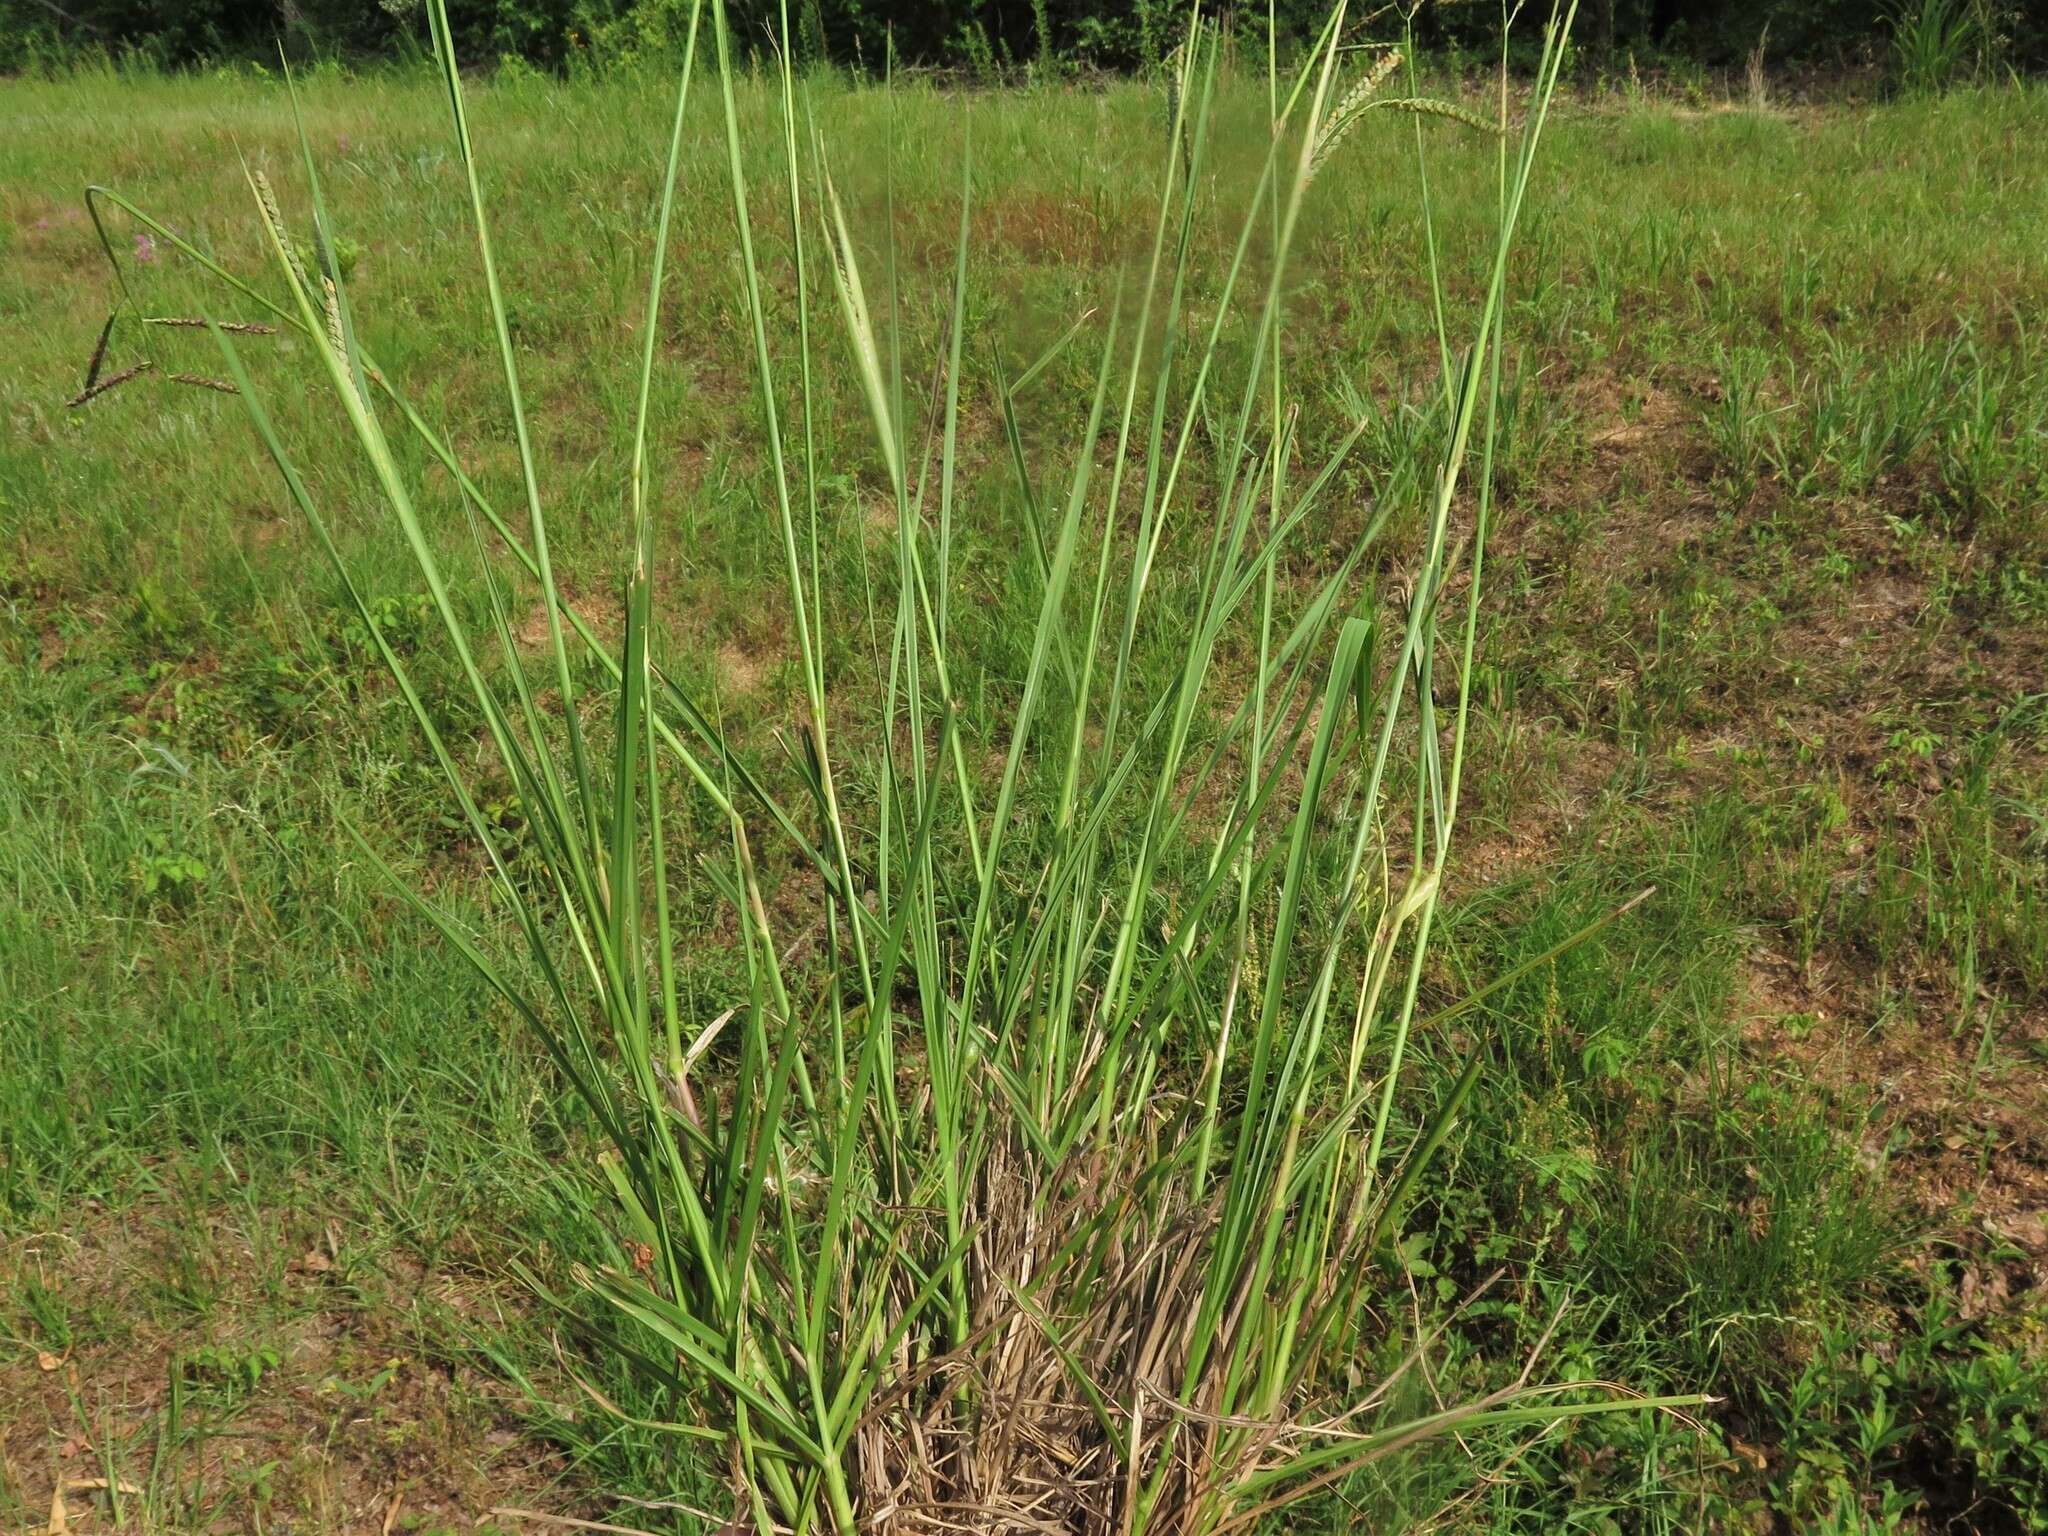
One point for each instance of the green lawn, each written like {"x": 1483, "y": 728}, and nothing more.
{"x": 1767, "y": 630}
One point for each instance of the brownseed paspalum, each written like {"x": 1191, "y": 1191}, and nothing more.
{"x": 99, "y": 354}
{"x": 112, "y": 381}
{"x": 199, "y": 323}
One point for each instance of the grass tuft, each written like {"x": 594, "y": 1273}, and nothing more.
{"x": 1053, "y": 1164}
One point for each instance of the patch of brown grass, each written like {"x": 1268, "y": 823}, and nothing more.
{"x": 349, "y": 1409}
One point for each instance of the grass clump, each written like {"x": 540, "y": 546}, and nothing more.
{"x": 1046, "y": 1167}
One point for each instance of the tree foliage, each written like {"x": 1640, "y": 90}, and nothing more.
{"x": 989, "y": 37}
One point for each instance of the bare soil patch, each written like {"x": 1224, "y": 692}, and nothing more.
{"x": 236, "y": 1376}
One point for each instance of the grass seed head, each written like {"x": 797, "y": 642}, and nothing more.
{"x": 112, "y": 381}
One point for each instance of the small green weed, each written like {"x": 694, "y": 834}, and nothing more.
{"x": 165, "y": 875}
{"x": 238, "y": 1369}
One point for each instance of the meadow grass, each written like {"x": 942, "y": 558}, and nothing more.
{"x": 1762, "y": 630}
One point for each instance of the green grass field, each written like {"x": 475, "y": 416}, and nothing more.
{"x": 1766, "y": 629}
